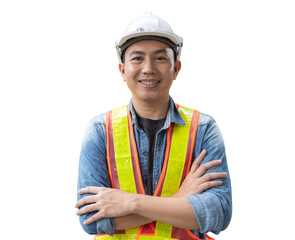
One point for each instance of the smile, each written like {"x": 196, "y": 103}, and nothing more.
{"x": 149, "y": 82}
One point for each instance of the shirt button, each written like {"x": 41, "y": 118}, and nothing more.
{"x": 145, "y": 153}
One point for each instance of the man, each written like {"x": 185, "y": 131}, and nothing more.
{"x": 149, "y": 170}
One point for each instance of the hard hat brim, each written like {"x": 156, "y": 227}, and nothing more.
{"x": 175, "y": 39}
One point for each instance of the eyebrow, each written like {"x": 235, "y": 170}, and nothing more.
{"x": 135, "y": 52}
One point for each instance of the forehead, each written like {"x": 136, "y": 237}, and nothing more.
{"x": 149, "y": 46}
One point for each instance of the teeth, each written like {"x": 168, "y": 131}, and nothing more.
{"x": 149, "y": 82}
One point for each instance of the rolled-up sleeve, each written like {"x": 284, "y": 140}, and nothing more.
{"x": 212, "y": 208}
{"x": 93, "y": 171}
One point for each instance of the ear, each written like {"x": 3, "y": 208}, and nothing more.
{"x": 177, "y": 67}
{"x": 122, "y": 71}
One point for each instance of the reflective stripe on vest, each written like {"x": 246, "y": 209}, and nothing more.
{"x": 177, "y": 159}
{"x": 124, "y": 169}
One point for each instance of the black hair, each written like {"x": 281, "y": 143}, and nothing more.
{"x": 157, "y": 38}
{"x": 123, "y": 56}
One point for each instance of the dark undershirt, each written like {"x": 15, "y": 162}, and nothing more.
{"x": 150, "y": 127}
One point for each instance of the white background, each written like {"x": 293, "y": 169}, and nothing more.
{"x": 58, "y": 69}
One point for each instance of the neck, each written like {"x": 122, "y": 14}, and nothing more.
{"x": 151, "y": 110}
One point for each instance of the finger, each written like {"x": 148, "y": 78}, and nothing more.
{"x": 87, "y": 209}
{"x": 198, "y": 161}
{"x": 206, "y": 166}
{"x": 212, "y": 176}
{"x": 85, "y": 200}
{"x": 93, "y": 190}
{"x": 205, "y": 186}
{"x": 92, "y": 219}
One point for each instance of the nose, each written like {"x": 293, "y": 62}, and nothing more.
{"x": 148, "y": 66}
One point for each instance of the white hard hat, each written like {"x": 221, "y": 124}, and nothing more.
{"x": 149, "y": 26}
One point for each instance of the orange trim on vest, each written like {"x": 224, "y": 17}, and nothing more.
{"x": 111, "y": 153}
{"x": 108, "y": 148}
{"x": 191, "y": 142}
{"x": 135, "y": 160}
{"x": 159, "y": 187}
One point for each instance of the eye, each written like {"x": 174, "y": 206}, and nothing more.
{"x": 136, "y": 59}
{"x": 161, "y": 59}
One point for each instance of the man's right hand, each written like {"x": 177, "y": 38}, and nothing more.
{"x": 197, "y": 181}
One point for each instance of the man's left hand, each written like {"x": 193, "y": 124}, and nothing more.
{"x": 108, "y": 202}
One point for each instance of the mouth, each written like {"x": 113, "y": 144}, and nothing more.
{"x": 150, "y": 82}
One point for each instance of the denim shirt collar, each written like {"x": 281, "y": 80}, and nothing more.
{"x": 173, "y": 115}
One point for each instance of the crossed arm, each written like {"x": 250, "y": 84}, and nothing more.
{"x": 132, "y": 210}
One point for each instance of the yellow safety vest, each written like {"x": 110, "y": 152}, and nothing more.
{"x": 124, "y": 168}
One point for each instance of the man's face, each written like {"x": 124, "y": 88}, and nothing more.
{"x": 149, "y": 70}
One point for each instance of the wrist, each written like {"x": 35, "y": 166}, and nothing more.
{"x": 133, "y": 203}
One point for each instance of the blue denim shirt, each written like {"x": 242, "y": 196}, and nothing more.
{"x": 212, "y": 208}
